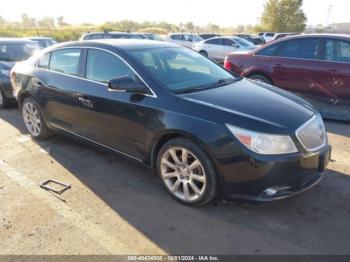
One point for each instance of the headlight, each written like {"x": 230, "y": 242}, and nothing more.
{"x": 5, "y": 72}
{"x": 265, "y": 144}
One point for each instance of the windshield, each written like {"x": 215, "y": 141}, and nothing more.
{"x": 182, "y": 70}
{"x": 243, "y": 42}
{"x": 16, "y": 52}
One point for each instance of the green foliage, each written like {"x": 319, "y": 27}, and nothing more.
{"x": 283, "y": 16}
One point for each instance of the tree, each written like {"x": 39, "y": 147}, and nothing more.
{"x": 28, "y": 22}
{"x": 47, "y": 22}
{"x": 283, "y": 16}
{"x": 61, "y": 22}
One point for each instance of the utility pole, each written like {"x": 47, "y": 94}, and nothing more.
{"x": 330, "y": 8}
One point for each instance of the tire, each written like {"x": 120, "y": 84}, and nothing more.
{"x": 4, "y": 102}
{"x": 199, "y": 178}
{"x": 34, "y": 120}
{"x": 261, "y": 78}
{"x": 203, "y": 53}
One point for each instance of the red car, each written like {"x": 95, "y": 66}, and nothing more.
{"x": 314, "y": 66}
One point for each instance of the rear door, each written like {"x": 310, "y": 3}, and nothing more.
{"x": 55, "y": 84}
{"x": 111, "y": 118}
{"x": 212, "y": 47}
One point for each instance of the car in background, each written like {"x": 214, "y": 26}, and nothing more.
{"x": 43, "y": 42}
{"x": 110, "y": 35}
{"x": 253, "y": 39}
{"x": 218, "y": 48}
{"x": 12, "y": 50}
{"x": 281, "y": 35}
{"x": 267, "y": 36}
{"x": 152, "y": 36}
{"x": 316, "y": 66}
{"x": 184, "y": 39}
{"x": 206, "y": 36}
{"x": 204, "y": 130}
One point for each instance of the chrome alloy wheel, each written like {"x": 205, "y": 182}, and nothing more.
{"x": 183, "y": 174}
{"x": 31, "y": 118}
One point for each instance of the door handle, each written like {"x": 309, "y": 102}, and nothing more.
{"x": 37, "y": 84}
{"x": 86, "y": 102}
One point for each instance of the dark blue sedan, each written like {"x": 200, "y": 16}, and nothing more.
{"x": 203, "y": 129}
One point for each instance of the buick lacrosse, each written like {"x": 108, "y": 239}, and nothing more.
{"x": 204, "y": 130}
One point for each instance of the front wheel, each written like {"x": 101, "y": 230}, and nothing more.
{"x": 187, "y": 172}
{"x": 33, "y": 119}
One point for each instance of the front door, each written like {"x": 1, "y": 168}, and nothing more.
{"x": 110, "y": 118}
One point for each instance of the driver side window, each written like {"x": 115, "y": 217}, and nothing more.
{"x": 102, "y": 66}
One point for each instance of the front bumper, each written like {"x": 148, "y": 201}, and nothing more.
{"x": 6, "y": 87}
{"x": 263, "y": 180}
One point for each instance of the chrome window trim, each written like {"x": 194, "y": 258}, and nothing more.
{"x": 313, "y": 150}
{"x": 89, "y": 80}
{"x": 97, "y": 143}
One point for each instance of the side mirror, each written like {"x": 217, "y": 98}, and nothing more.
{"x": 126, "y": 84}
{"x": 235, "y": 45}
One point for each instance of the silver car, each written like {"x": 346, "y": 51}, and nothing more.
{"x": 184, "y": 39}
{"x": 217, "y": 48}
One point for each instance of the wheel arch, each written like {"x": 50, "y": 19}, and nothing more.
{"x": 172, "y": 134}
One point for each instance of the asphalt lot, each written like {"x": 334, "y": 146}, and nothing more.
{"x": 118, "y": 207}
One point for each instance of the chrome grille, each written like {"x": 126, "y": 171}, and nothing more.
{"x": 312, "y": 135}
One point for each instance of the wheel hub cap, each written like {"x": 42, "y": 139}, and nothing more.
{"x": 31, "y": 118}
{"x": 183, "y": 174}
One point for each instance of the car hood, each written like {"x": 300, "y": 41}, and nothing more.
{"x": 249, "y": 104}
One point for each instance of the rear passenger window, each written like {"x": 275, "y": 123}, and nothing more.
{"x": 215, "y": 41}
{"x": 65, "y": 61}
{"x": 44, "y": 61}
{"x": 102, "y": 66}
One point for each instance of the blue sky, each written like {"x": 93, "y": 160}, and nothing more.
{"x": 221, "y": 12}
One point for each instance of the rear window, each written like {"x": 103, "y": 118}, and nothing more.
{"x": 268, "y": 51}
{"x": 44, "y": 61}
{"x": 16, "y": 51}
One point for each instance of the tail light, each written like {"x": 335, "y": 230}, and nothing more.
{"x": 227, "y": 64}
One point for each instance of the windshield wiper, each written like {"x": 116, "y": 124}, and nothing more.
{"x": 220, "y": 82}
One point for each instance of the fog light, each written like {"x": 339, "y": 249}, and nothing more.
{"x": 270, "y": 191}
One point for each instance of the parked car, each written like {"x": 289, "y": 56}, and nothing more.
{"x": 110, "y": 35}
{"x": 281, "y": 35}
{"x": 208, "y": 35}
{"x": 203, "y": 129}
{"x": 314, "y": 66}
{"x": 152, "y": 36}
{"x": 218, "y": 48}
{"x": 267, "y": 36}
{"x": 184, "y": 39}
{"x": 12, "y": 50}
{"x": 43, "y": 42}
{"x": 253, "y": 39}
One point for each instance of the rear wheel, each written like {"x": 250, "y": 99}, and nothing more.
{"x": 203, "y": 53}
{"x": 187, "y": 172}
{"x": 3, "y": 100}
{"x": 33, "y": 119}
{"x": 261, "y": 79}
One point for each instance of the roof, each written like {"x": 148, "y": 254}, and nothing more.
{"x": 123, "y": 44}
{"x": 15, "y": 40}
{"x": 39, "y": 37}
